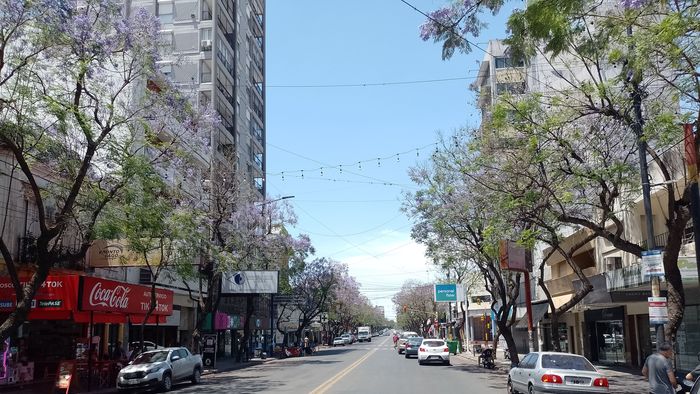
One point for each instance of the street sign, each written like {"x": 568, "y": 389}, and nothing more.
{"x": 658, "y": 310}
{"x": 653, "y": 263}
{"x": 446, "y": 293}
{"x": 324, "y": 317}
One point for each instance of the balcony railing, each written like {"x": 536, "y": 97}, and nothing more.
{"x": 206, "y": 15}
{"x": 661, "y": 240}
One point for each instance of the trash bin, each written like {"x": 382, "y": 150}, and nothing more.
{"x": 453, "y": 346}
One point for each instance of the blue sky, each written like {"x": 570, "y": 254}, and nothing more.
{"x": 353, "y": 214}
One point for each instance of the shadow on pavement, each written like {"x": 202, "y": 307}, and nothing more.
{"x": 333, "y": 351}
{"x": 495, "y": 378}
{"x": 229, "y": 384}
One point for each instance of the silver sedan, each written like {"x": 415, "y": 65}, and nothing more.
{"x": 561, "y": 373}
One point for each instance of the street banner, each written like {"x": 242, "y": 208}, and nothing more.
{"x": 658, "y": 310}
{"x": 653, "y": 262}
{"x": 446, "y": 293}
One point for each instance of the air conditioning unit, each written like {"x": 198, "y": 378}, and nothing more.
{"x": 205, "y": 45}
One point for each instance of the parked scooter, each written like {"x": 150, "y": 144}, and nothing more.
{"x": 486, "y": 359}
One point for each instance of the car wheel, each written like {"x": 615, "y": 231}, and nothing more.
{"x": 509, "y": 387}
{"x": 167, "y": 383}
{"x": 406, "y": 355}
{"x": 446, "y": 362}
{"x": 196, "y": 376}
{"x": 420, "y": 362}
{"x": 530, "y": 389}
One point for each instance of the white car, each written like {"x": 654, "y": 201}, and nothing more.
{"x": 338, "y": 341}
{"x": 549, "y": 372}
{"x": 160, "y": 369}
{"x": 433, "y": 350}
{"x": 347, "y": 338}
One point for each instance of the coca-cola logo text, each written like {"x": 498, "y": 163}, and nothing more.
{"x": 118, "y": 297}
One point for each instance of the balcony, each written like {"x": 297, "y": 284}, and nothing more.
{"x": 661, "y": 240}
{"x": 256, "y": 131}
{"x": 228, "y": 64}
{"x": 206, "y": 15}
{"x": 255, "y": 23}
{"x": 564, "y": 284}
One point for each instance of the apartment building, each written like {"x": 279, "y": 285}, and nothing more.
{"x": 215, "y": 50}
{"x": 611, "y": 324}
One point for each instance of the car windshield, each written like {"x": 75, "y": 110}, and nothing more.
{"x": 339, "y": 339}
{"x": 433, "y": 343}
{"x": 564, "y": 361}
{"x": 151, "y": 357}
{"x": 415, "y": 340}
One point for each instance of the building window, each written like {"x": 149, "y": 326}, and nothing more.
{"x": 507, "y": 62}
{"x": 205, "y": 37}
{"x": 511, "y": 87}
{"x": 164, "y": 11}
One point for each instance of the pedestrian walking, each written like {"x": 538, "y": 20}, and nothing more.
{"x": 659, "y": 372}
{"x": 396, "y": 340}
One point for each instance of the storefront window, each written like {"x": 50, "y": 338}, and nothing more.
{"x": 610, "y": 341}
{"x": 688, "y": 339}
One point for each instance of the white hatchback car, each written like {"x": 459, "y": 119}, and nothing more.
{"x": 433, "y": 350}
{"x": 338, "y": 341}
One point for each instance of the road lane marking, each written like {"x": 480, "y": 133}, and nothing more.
{"x": 340, "y": 375}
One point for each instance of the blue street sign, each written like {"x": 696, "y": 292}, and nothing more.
{"x": 446, "y": 293}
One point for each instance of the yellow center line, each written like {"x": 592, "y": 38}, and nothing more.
{"x": 340, "y": 375}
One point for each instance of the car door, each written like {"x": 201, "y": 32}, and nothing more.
{"x": 176, "y": 362}
{"x": 530, "y": 373}
{"x": 517, "y": 377}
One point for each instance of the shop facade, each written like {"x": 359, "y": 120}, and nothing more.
{"x": 79, "y": 319}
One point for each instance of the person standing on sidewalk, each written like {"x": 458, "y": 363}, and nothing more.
{"x": 658, "y": 371}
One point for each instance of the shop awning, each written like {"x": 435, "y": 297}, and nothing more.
{"x": 76, "y": 297}
{"x": 538, "y": 312}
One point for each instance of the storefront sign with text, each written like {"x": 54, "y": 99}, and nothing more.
{"x": 103, "y": 295}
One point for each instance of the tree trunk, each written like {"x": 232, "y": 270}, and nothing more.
{"x": 249, "y": 309}
{"x": 507, "y": 334}
{"x": 554, "y": 331}
{"x": 19, "y": 315}
{"x": 148, "y": 314}
{"x": 676, "y": 292}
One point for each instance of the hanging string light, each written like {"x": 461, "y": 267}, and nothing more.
{"x": 359, "y": 162}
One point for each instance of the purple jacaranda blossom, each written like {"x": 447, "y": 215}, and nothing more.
{"x": 633, "y": 4}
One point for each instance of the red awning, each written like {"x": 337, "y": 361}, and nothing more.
{"x": 74, "y": 297}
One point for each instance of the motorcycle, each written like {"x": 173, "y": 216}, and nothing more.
{"x": 486, "y": 359}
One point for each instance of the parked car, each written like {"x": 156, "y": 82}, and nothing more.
{"x": 347, "y": 338}
{"x": 412, "y": 346}
{"x": 551, "y": 372}
{"x": 403, "y": 338}
{"x": 432, "y": 350}
{"x": 160, "y": 369}
{"x": 696, "y": 387}
{"x": 338, "y": 341}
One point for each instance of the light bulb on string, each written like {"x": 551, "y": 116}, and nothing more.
{"x": 417, "y": 152}
{"x": 379, "y": 162}
{"x": 341, "y": 168}
{"x": 398, "y": 159}
{"x": 302, "y": 174}
{"x": 283, "y": 175}
{"x": 321, "y": 171}
{"x": 359, "y": 164}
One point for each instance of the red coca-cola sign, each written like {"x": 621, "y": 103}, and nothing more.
{"x": 103, "y": 295}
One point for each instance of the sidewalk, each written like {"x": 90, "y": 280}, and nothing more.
{"x": 623, "y": 380}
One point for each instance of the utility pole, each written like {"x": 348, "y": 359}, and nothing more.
{"x": 646, "y": 187}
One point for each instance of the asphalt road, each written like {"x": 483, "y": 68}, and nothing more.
{"x": 362, "y": 367}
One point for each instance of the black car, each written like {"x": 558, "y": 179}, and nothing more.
{"x": 412, "y": 345}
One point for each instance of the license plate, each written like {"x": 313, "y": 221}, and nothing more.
{"x": 132, "y": 381}
{"x": 436, "y": 351}
{"x": 578, "y": 381}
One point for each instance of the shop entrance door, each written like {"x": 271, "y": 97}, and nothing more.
{"x": 610, "y": 341}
